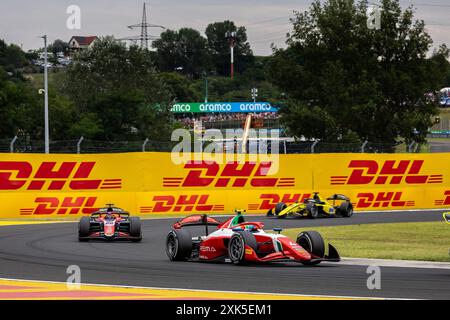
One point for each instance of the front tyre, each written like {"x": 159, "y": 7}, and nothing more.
{"x": 179, "y": 245}
{"x": 135, "y": 229}
{"x": 84, "y": 228}
{"x": 236, "y": 246}
{"x": 280, "y": 207}
{"x": 312, "y": 242}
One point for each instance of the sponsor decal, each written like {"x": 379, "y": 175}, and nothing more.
{"x": 67, "y": 205}
{"x": 207, "y": 249}
{"x": 444, "y": 202}
{"x": 269, "y": 200}
{"x": 390, "y": 172}
{"x": 382, "y": 200}
{"x": 234, "y": 174}
{"x": 183, "y": 203}
{"x": 52, "y": 176}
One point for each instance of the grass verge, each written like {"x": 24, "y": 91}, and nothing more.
{"x": 425, "y": 241}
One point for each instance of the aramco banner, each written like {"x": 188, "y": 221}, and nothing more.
{"x": 61, "y": 186}
{"x": 222, "y": 107}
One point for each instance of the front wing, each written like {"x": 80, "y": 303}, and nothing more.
{"x": 102, "y": 236}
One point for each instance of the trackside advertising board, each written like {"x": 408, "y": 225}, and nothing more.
{"x": 61, "y": 186}
{"x": 223, "y": 107}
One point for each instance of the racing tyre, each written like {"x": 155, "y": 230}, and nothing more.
{"x": 179, "y": 245}
{"x": 236, "y": 246}
{"x": 135, "y": 229}
{"x": 346, "y": 209}
{"x": 280, "y": 207}
{"x": 83, "y": 228}
{"x": 312, "y": 242}
{"x": 312, "y": 211}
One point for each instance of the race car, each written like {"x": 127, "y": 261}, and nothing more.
{"x": 110, "y": 223}
{"x": 337, "y": 204}
{"x": 243, "y": 242}
{"x": 446, "y": 216}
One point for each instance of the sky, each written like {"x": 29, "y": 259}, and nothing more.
{"x": 267, "y": 21}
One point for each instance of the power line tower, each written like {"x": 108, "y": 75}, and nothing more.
{"x": 145, "y": 37}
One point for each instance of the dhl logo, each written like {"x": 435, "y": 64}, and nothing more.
{"x": 391, "y": 172}
{"x": 15, "y": 175}
{"x": 382, "y": 200}
{"x": 234, "y": 174}
{"x": 269, "y": 200}
{"x": 183, "y": 203}
{"x": 68, "y": 205}
{"x": 445, "y": 202}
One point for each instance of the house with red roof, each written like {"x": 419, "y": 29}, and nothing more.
{"x": 77, "y": 43}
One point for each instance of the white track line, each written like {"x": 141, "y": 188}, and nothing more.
{"x": 395, "y": 263}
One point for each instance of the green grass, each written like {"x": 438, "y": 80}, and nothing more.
{"x": 425, "y": 241}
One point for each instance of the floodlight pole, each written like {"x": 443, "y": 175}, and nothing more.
{"x": 232, "y": 41}
{"x": 46, "y": 129}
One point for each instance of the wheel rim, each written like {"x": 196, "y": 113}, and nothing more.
{"x": 171, "y": 246}
{"x": 236, "y": 247}
{"x": 305, "y": 243}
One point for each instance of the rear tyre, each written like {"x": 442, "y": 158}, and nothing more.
{"x": 346, "y": 209}
{"x": 135, "y": 229}
{"x": 312, "y": 211}
{"x": 280, "y": 207}
{"x": 84, "y": 228}
{"x": 179, "y": 245}
{"x": 236, "y": 246}
{"x": 312, "y": 242}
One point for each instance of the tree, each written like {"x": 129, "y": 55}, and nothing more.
{"x": 58, "y": 46}
{"x": 117, "y": 90}
{"x": 12, "y": 57}
{"x": 220, "y": 50}
{"x": 345, "y": 81}
{"x": 184, "y": 50}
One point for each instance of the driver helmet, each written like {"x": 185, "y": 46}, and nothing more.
{"x": 109, "y": 212}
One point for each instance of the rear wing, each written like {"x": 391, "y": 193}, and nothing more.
{"x": 339, "y": 197}
{"x": 196, "y": 220}
{"x": 119, "y": 212}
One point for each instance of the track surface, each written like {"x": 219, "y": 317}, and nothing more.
{"x": 43, "y": 252}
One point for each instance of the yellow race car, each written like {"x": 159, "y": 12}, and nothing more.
{"x": 336, "y": 205}
{"x": 446, "y": 216}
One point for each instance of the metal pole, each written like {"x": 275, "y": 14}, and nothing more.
{"x": 47, "y": 135}
{"x": 11, "y": 145}
{"x": 363, "y": 147}
{"x": 314, "y": 145}
{"x": 145, "y": 143}
{"x": 232, "y": 60}
{"x": 206, "y": 89}
{"x": 284, "y": 142}
{"x": 79, "y": 145}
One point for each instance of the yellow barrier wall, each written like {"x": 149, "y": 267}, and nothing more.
{"x": 48, "y": 186}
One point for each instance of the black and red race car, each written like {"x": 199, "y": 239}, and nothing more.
{"x": 244, "y": 242}
{"x": 110, "y": 223}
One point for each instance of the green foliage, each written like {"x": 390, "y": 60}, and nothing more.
{"x": 11, "y": 57}
{"x": 113, "y": 87}
{"x": 220, "y": 49}
{"x": 184, "y": 50}
{"x": 355, "y": 82}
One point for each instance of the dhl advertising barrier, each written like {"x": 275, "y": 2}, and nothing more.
{"x": 62, "y": 186}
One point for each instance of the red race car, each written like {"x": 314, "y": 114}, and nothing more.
{"x": 244, "y": 242}
{"x": 110, "y": 223}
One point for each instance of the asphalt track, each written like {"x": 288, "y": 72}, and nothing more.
{"x": 43, "y": 252}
